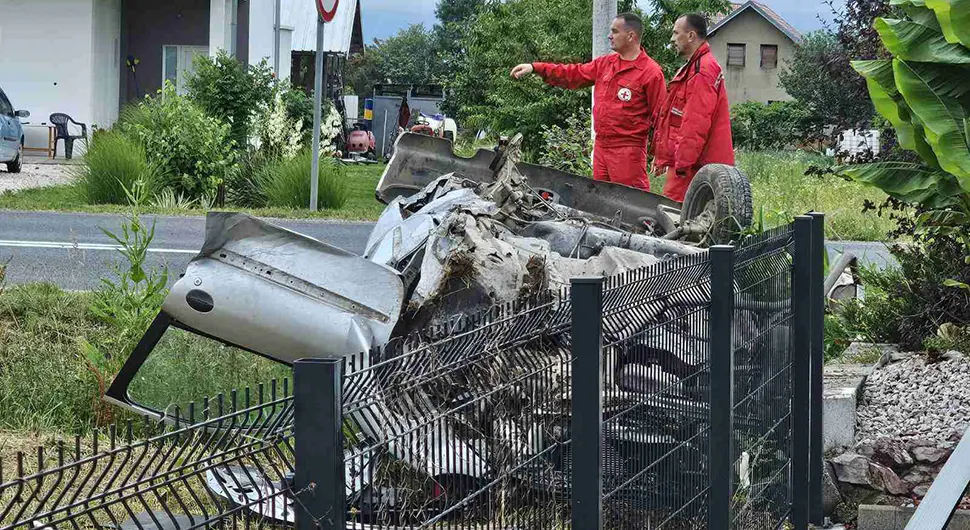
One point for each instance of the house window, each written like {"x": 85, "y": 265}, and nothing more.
{"x": 178, "y": 64}
{"x": 735, "y": 55}
{"x": 769, "y": 56}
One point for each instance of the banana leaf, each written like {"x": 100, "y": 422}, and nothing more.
{"x": 939, "y": 95}
{"x": 910, "y": 183}
{"x": 890, "y": 104}
{"x": 954, "y": 17}
{"x": 913, "y": 41}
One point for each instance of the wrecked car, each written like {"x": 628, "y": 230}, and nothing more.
{"x": 458, "y": 236}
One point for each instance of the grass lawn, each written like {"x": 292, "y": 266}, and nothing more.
{"x": 781, "y": 190}
{"x": 362, "y": 205}
{"x": 779, "y": 184}
{"x": 45, "y": 381}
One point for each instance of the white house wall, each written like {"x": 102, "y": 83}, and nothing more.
{"x": 46, "y": 59}
{"x": 106, "y": 58}
{"x": 261, "y": 15}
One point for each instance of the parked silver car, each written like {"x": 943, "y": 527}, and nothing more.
{"x": 11, "y": 135}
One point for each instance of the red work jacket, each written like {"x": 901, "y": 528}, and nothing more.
{"x": 626, "y": 98}
{"x": 694, "y": 127}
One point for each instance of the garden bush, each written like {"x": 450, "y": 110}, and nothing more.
{"x": 111, "y": 166}
{"x": 193, "y": 149}
{"x": 777, "y": 125}
{"x": 230, "y": 92}
{"x": 287, "y": 184}
{"x": 568, "y": 148}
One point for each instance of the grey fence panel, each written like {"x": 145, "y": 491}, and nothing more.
{"x": 763, "y": 371}
{"x": 225, "y": 467}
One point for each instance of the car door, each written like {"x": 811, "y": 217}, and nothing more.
{"x": 8, "y": 137}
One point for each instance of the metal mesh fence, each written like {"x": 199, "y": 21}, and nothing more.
{"x": 656, "y": 414}
{"x": 470, "y": 431}
{"x": 762, "y": 345}
{"x": 225, "y": 468}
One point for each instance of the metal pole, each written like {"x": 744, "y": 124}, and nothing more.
{"x": 317, "y": 106}
{"x": 277, "y": 16}
{"x": 817, "y": 304}
{"x": 586, "y": 296}
{"x": 722, "y": 386}
{"x": 319, "y": 444}
{"x": 604, "y": 11}
{"x": 800, "y": 373}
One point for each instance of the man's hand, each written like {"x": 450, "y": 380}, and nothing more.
{"x": 522, "y": 70}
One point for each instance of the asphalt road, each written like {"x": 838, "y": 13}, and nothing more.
{"x": 70, "y": 250}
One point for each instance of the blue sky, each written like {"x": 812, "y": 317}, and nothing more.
{"x": 383, "y": 18}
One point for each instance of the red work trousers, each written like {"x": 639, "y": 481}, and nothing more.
{"x": 625, "y": 165}
{"x": 676, "y": 186}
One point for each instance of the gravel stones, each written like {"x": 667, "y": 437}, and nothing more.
{"x": 910, "y": 400}
{"x": 35, "y": 175}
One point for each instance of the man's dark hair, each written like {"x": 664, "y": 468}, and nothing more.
{"x": 632, "y": 23}
{"x": 698, "y": 23}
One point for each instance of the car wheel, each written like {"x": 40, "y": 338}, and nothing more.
{"x": 719, "y": 197}
{"x": 18, "y": 163}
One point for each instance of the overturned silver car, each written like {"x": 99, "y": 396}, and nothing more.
{"x": 458, "y": 236}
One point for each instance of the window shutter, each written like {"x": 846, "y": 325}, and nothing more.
{"x": 735, "y": 55}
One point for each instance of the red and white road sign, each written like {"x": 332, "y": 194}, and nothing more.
{"x": 327, "y": 9}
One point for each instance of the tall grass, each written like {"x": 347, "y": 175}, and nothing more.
{"x": 287, "y": 184}
{"x": 112, "y": 165}
{"x": 46, "y": 385}
{"x": 782, "y": 190}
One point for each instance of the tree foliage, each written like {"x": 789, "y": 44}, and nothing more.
{"x": 230, "y": 92}
{"x": 819, "y": 76}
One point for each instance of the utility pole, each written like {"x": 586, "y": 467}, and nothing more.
{"x": 277, "y": 16}
{"x": 317, "y": 111}
{"x": 604, "y": 11}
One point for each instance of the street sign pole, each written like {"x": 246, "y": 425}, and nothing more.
{"x": 317, "y": 111}
{"x": 326, "y": 10}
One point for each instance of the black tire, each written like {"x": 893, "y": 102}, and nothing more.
{"x": 728, "y": 190}
{"x": 18, "y": 163}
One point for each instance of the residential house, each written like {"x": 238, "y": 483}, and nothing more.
{"x": 87, "y": 58}
{"x": 752, "y": 43}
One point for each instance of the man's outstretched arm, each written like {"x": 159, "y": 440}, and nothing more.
{"x": 570, "y": 76}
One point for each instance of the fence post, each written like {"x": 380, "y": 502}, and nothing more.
{"x": 317, "y": 423}
{"x": 817, "y": 299}
{"x": 721, "y": 447}
{"x": 801, "y": 356}
{"x": 586, "y": 295}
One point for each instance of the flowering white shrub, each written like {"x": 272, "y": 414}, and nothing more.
{"x": 330, "y": 127}
{"x": 276, "y": 132}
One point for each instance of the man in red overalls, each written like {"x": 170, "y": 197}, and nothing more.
{"x": 629, "y": 92}
{"x": 694, "y": 126}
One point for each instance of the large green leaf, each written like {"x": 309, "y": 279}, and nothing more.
{"x": 939, "y": 95}
{"x": 913, "y": 41}
{"x": 910, "y": 183}
{"x": 890, "y": 104}
{"x": 954, "y": 17}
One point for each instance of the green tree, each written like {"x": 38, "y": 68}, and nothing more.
{"x": 231, "y": 93}
{"x": 408, "y": 56}
{"x": 819, "y": 76}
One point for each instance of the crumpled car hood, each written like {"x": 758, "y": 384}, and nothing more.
{"x": 283, "y": 294}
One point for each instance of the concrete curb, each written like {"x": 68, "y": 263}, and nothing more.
{"x": 873, "y": 517}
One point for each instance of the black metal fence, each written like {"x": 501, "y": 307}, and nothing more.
{"x": 685, "y": 395}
